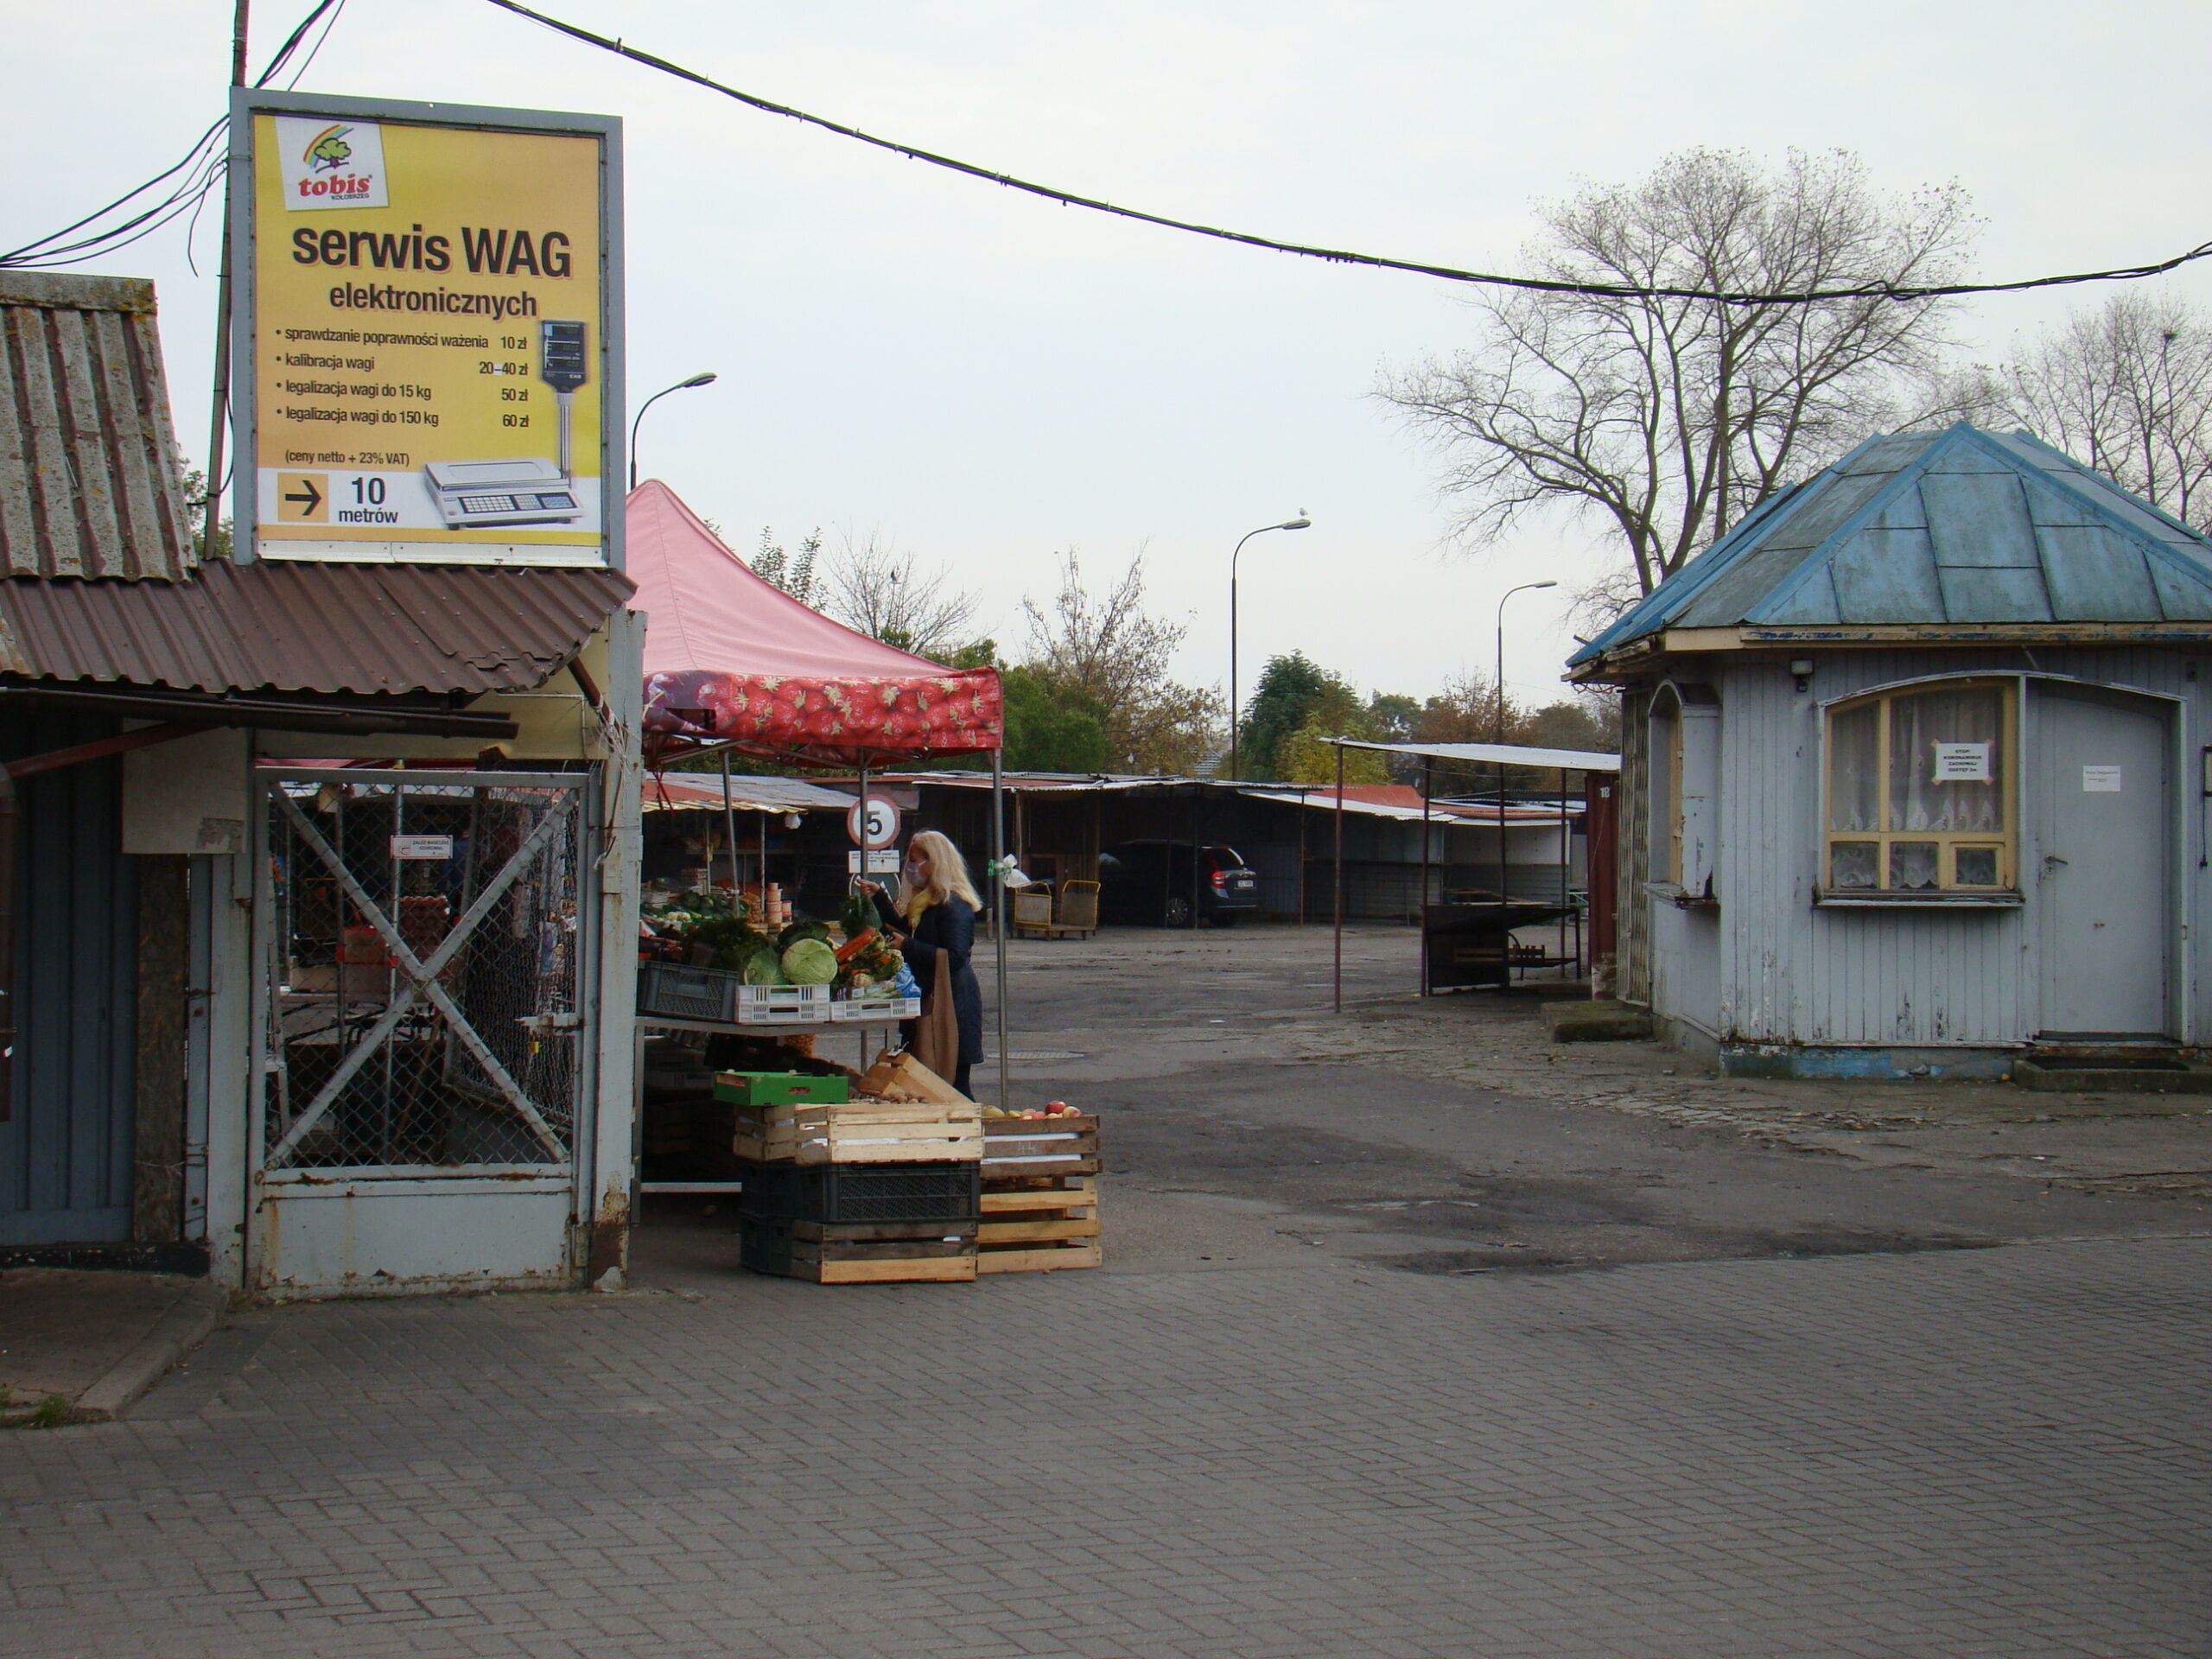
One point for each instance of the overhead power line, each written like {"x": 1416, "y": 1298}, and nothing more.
{"x": 146, "y": 208}
{"x": 1340, "y": 256}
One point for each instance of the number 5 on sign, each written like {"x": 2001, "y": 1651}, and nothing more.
{"x": 873, "y": 822}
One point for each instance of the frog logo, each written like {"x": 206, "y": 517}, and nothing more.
{"x": 328, "y": 151}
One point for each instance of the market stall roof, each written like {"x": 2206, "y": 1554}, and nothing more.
{"x": 730, "y": 658}
{"x": 669, "y": 791}
{"x": 1368, "y": 801}
{"x": 1498, "y": 755}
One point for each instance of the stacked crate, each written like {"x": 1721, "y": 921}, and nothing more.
{"x": 1040, "y": 1194}
{"x": 844, "y": 1192}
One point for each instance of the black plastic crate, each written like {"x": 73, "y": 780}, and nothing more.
{"x": 845, "y": 1193}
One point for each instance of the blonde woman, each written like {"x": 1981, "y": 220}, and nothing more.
{"x": 934, "y": 917}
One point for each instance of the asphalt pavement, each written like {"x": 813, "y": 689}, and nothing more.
{"x": 1387, "y": 1360}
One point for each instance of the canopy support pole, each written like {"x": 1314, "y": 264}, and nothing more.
{"x": 865, "y": 874}
{"x": 999, "y": 891}
{"x": 1338, "y": 885}
{"x": 1421, "y": 909}
{"x": 729, "y": 828}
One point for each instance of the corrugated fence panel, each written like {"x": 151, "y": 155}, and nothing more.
{"x": 89, "y": 478}
{"x": 66, "y": 1151}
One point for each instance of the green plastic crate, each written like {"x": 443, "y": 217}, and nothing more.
{"x": 781, "y": 1089}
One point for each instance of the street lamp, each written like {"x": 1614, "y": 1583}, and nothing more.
{"x": 681, "y": 385}
{"x": 1497, "y": 729}
{"x": 1299, "y": 523}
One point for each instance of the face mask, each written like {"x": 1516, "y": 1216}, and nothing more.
{"x": 912, "y": 873}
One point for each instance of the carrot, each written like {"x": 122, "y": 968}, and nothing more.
{"x": 853, "y": 946}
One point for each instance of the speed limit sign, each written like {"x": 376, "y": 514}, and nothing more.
{"x": 873, "y": 822}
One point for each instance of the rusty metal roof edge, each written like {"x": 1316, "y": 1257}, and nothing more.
{"x": 329, "y": 629}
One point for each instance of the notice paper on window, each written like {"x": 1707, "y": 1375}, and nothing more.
{"x": 2100, "y": 781}
{"x": 1962, "y": 763}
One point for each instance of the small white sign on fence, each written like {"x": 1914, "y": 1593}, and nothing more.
{"x": 882, "y": 863}
{"x": 429, "y": 849}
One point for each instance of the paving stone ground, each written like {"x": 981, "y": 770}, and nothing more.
{"x": 2002, "y": 1452}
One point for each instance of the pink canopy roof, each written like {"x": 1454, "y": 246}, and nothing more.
{"x": 730, "y": 657}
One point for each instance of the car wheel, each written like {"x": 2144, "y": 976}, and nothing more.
{"x": 1178, "y": 914}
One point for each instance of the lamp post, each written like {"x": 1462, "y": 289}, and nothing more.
{"x": 1299, "y": 523}
{"x": 681, "y": 385}
{"x": 1498, "y": 735}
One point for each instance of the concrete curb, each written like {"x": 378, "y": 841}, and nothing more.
{"x": 178, "y": 1331}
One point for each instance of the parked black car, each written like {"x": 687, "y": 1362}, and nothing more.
{"x": 1171, "y": 884}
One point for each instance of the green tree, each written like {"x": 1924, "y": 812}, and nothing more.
{"x": 1290, "y": 688}
{"x": 1049, "y": 728}
{"x": 216, "y": 546}
{"x": 793, "y": 572}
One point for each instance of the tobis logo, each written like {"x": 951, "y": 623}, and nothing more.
{"x": 326, "y": 153}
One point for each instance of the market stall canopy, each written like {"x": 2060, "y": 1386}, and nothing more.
{"x": 1498, "y": 755}
{"x": 730, "y": 658}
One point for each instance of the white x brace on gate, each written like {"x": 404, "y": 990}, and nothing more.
{"x": 424, "y": 1011}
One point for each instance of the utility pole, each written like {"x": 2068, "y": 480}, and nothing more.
{"x": 220, "y": 398}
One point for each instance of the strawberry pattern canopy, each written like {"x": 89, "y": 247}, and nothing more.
{"x": 833, "y": 721}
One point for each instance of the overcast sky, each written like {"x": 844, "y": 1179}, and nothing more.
{"x": 986, "y": 379}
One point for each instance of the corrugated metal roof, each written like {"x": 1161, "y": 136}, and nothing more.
{"x": 702, "y": 791}
{"x": 89, "y": 480}
{"x": 1507, "y": 754}
{"x": 331, "y": 628}
{"x": 1959, "y": 526}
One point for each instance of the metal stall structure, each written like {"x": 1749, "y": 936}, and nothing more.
{"x": 1467, "y": 939}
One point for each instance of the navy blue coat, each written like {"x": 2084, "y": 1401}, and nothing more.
{"x": 949, "y": 928}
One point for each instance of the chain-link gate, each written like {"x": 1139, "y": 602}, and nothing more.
{"x": 427, "y": 954}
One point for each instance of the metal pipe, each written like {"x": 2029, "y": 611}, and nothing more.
{"x": 998, "y": 906}
{"x": 1339, "y": 971}
{"x": 220, "y": 394}
{"x": 1498, "y": 736}
{"x": 1421, "y": 911}
{"x": 1299, "y": 523}
{"x": 270, "y": 715}
{"x": 729, "y": 828}
{"x": 8, "y": 821}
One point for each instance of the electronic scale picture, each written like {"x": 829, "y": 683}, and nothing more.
{"x": 491, "y": 494}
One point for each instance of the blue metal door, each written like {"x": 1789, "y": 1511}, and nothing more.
{"x": 65, "y": 1149}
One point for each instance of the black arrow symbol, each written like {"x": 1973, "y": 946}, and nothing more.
{"x": 313, "y": 498}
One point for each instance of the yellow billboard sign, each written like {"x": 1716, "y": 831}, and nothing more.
{"x": 422, "y": 351}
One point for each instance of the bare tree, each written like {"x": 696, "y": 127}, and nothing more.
{"x": 870, "y": 585}
{"x": 2128, "y": 390}
{"x": 1669, "y": 417}
{"x": 1106, "y": 648}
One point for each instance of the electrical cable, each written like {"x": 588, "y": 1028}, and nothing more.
{"x": 1338, "y": 255}
{"x": 202, "y": 166}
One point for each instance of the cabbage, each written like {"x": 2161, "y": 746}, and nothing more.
{"x": 761, "y": 968}
{"x": 809, "y": 962}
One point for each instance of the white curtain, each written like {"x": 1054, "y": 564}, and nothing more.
{"x": 1917, "y": 724}
{"x": 1854, "y": 762}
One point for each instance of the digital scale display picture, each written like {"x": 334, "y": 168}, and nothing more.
{"x": 478, "y": 494}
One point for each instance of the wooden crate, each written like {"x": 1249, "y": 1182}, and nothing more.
{"x": 1037, "y": 1225}
{"x": 863, "y": 1132}
{"x": 1039, "y": 1146}
{"x": 862, "y": 1253}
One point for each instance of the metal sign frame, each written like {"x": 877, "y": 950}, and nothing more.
{"x": 243, "y": 494}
